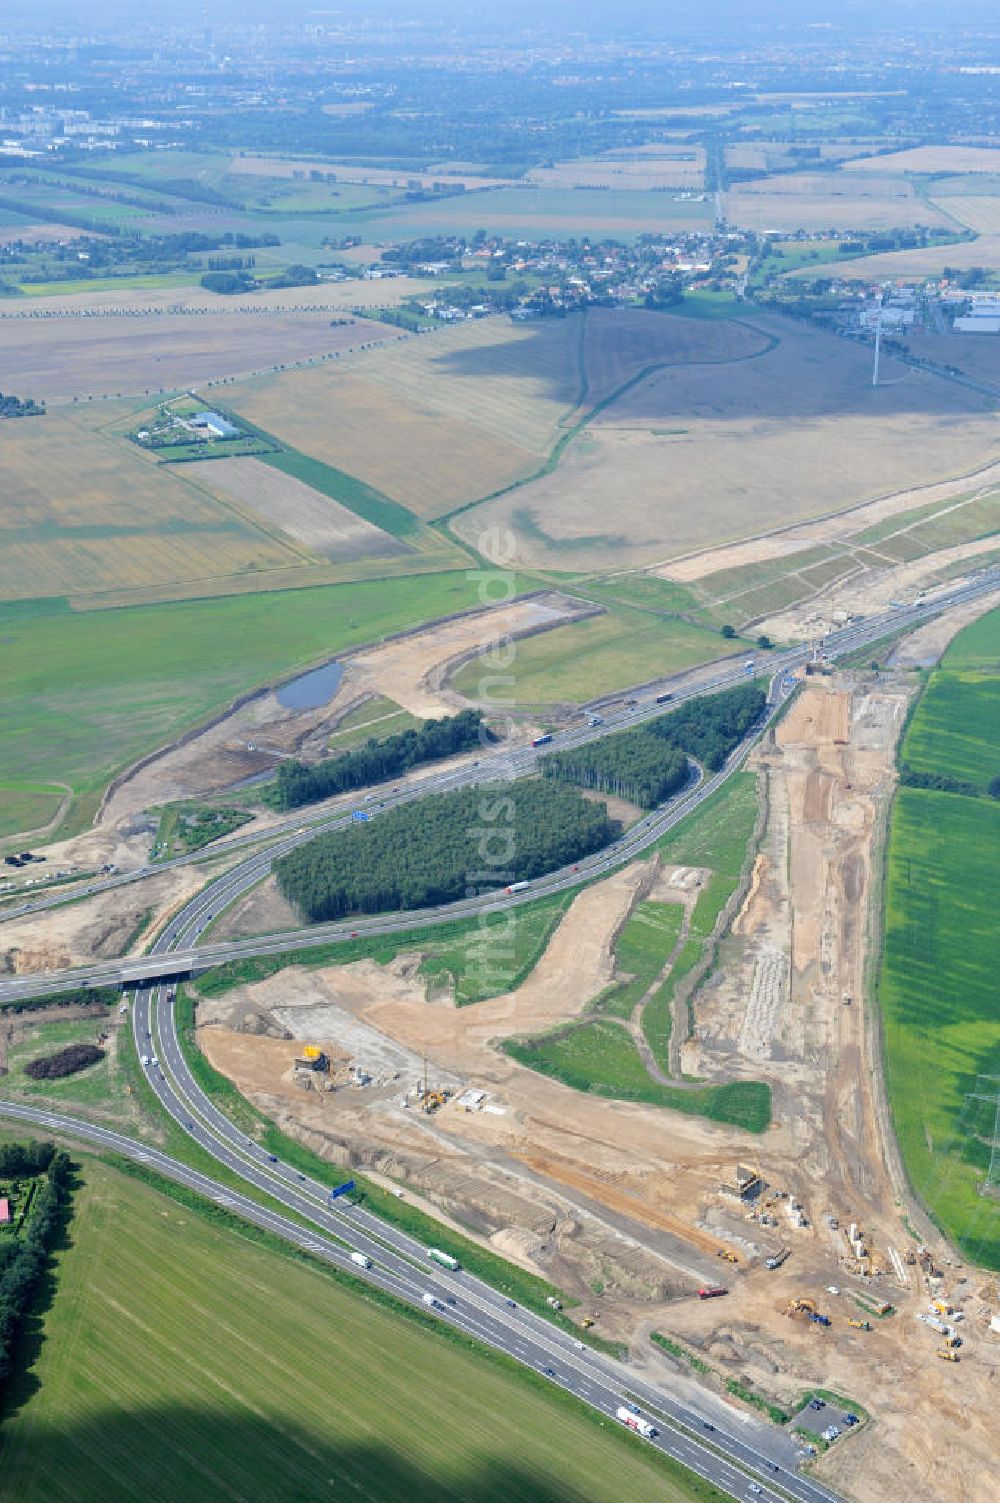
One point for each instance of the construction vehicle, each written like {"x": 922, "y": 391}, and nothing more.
{"x": 778, "y": 1258}
{"x": 859, "y": 1325}
{"x": 587, "y": 1322}
{"x": 953, "y": 1341}
{"x": 801, "y": 1307}
{"x": 821, "y": 1320}
{"x": 946, "y": 1354}
{"x": 729, "y": 1256}
{"x": 712, "y": 1291}
{"x": 635, "y": 1422}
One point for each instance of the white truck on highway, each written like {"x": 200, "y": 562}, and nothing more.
{"x": 635, "y": 1422}
{"x": 362, "y": 1260}
{"x": 432, "y": 1301}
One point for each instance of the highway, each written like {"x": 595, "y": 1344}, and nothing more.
{"x": 172, "y": 955}
{"x": 494, "y": 763}
{"x": 705, "y": 1439}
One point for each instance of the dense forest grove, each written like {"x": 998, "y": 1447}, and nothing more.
{"x": 23, "y": 1258}
{"x": 377, "y": 760}
{"x": 444, "y": 847}
{"x": 650, "y": 763}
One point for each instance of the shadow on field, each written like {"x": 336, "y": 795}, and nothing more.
{"x": 20, "y": 1384}
{"x": 717, "y": 370}
{"x": 185, "y": 1455}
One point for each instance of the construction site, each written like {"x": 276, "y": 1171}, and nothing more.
{"x": 832, "y": 1280}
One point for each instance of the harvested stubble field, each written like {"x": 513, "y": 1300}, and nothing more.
{"x": 979, "y": 212}
{"x": 472, "y": 409}
{"x": 274, "y": 1379}
{"x": 831, "y": 201}
{"x": 288, "y": 505}
{"x": 543, "y": 213}
{"x": 384, "y": 177}
{"x": 689, "y": 458}
{"x": 63, "y": 358}
{"x": 930, "y": 159}
{"x": 914, "y": 265}
{"x": 81, "y": 511}
{"x": 642, "y": 168}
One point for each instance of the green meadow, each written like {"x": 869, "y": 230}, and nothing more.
{"x": 87, "y": 692}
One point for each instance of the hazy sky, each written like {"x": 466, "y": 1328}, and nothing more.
{"x": 605, "y": 17}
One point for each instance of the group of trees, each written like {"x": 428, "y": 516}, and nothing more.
{"x": 634, "y": 764}
{"x": 15, "y": 407}
{"x": 66, "y": 1061}
{"x": 648, "y": 764}
{"x": 709, "y": 728}
{"x": 442, "y": 848}
{"x": 943, "y": 782}
{"x": 23, "y": 1258}
{"x": 377, "y": 760}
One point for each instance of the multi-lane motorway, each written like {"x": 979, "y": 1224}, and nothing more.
{"x": 175, "y": 952}
{"x": 706, "y": 1439}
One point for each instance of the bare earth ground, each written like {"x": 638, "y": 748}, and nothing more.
{"x": 873, "y": 590}
{"x": 797, "y": 951}
{"x": 690, "y": 458}
{"x": 541, "y": 1171}
{"x": 99, "y": 928}
{"x": 62, "y": 358}
{"x": 298, "y": 510}
{"x": 583, "y": 1188}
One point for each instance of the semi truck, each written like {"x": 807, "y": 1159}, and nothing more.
{"x": 635, "y": 1422}
{"x": 445, "y": 1259}
{"x": 517, "y": 886}
{"x": 712, "y": 1291}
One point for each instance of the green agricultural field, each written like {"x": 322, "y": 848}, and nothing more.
{"x": 598, "y": 655}
{"x": 977, "y": 647}
{"x": 957, "y": 728}
{"x": 937, "y": 992}
{"x": 87, "y": 692}
{"x": 277, "y": 1380}
{"x": 937, "y": 983}
{"x": 27, "y": 806}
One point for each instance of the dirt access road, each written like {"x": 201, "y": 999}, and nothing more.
{"x": 628, "y": 1197}
{"x": 790, "y": 993}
